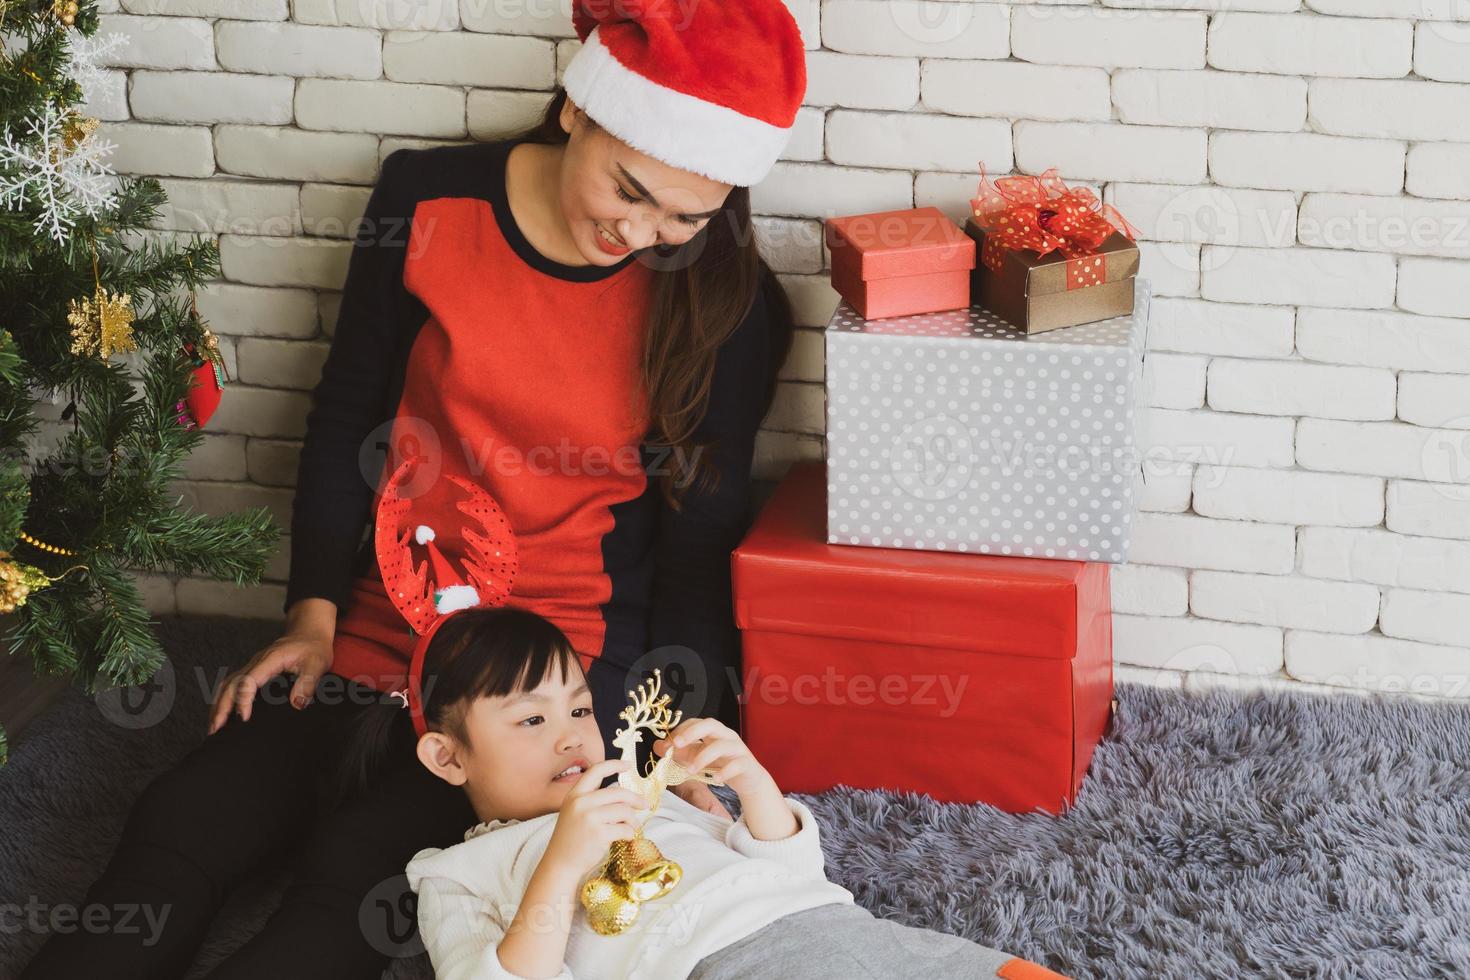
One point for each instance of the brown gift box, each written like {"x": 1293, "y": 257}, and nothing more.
{"x": 1031, "y": 291}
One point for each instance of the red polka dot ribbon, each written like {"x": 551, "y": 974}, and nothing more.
{"x": 1043, "y": 214}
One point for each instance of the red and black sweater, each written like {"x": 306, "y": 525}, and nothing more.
{"x": 457, "y": 339}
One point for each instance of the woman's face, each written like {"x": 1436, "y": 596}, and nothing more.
{"x": 606, "y": 185}
{"x": 519, "y": 746}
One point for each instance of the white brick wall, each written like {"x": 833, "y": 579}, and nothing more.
{"x": 1300, "y": 175}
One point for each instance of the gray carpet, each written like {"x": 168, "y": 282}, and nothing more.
{"x": 1224, "y": 835}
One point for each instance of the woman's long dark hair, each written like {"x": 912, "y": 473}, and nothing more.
{"x": 696, "y": 305}
{"x": 484, "y": 651}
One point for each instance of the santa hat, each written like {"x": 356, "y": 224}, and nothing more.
{"x": 450, "y": 593}
{"x": 711, "y": 87}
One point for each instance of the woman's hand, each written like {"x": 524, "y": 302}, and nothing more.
{"x": 695, "y": 793}
{"x": 306, "y": 652}
{"x": 591, "y": 818}
{"x": 705, "y": 743}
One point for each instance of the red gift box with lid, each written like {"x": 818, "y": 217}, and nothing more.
{"x": 897, "y": 263}
{"x": 967, "y": 677}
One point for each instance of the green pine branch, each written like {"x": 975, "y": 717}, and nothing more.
{"x": 45, "y": 627}
{"x": 15, "y": 494}
{"x": 98, "y": 487}
{"x": 118, "y": 623}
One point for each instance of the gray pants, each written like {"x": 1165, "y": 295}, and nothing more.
{"x": 845, "y": 941}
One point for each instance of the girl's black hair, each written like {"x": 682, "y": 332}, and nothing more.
{"x": 484, "y": 651}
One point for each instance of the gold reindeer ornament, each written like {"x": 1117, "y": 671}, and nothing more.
{"x": 635, "y": 871}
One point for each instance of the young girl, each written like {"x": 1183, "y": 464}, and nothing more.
{"x": 575, "y": 317}
{"x": 508, "y": 718}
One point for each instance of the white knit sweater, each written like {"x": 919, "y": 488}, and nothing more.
{"x": 733, "y": 884}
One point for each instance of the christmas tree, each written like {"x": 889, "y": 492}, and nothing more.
{"x": 97, "y": 314}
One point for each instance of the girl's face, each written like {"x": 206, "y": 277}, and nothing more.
{"x": 519, "y": 746}
{"x": 607, "y": 186}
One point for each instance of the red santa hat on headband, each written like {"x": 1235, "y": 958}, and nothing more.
{"x": 709, "y": 86}
{"x": 491, "y": 562}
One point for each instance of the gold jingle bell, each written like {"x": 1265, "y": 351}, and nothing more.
{"x": 613, "y": 897}
{"x": 629, "y": 857}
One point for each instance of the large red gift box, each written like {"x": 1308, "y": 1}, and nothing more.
{"x": 969, "y": 677}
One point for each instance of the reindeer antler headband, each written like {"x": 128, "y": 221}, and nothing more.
{"x": 490, "y": 563}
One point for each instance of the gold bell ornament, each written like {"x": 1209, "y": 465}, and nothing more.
{"x": 635, "y": 871}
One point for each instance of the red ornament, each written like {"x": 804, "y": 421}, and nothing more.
{"x": 206, "y": 388}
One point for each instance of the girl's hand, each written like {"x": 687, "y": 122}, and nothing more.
{"x": 306, "y": 653}
{"x": 705, "y": 743}
{"x": 591, "y": 818}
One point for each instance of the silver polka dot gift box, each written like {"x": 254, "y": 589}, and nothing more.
{"x": 955, "y": 431}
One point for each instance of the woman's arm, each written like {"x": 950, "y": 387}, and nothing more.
{"x": 334, "y": 493}
{"x": 311, "y": 616}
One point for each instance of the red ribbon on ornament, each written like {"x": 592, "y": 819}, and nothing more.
{"x": 1043, "y": 214}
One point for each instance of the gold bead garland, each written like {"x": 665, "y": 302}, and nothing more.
{"x": 40, "y": 545}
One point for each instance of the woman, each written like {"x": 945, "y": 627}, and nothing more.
{"x": 575, "y": 319}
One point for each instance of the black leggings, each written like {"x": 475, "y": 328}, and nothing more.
{"x": 250, "y": 792}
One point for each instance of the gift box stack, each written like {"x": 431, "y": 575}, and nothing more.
{"x": 930, "y": 609}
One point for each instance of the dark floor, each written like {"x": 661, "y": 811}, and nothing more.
{"x": 23, "y": 696}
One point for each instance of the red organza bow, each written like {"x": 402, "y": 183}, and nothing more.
{"x": 1042, "y": 214}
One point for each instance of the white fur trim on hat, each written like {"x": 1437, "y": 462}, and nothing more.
{"x": 455, "y": 597}
{"x": 681, "y": 130}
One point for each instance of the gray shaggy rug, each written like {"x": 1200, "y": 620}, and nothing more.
{"x": 1223, "y": 835}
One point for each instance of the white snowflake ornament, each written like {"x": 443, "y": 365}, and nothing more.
{"x": 66, "y": 181}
